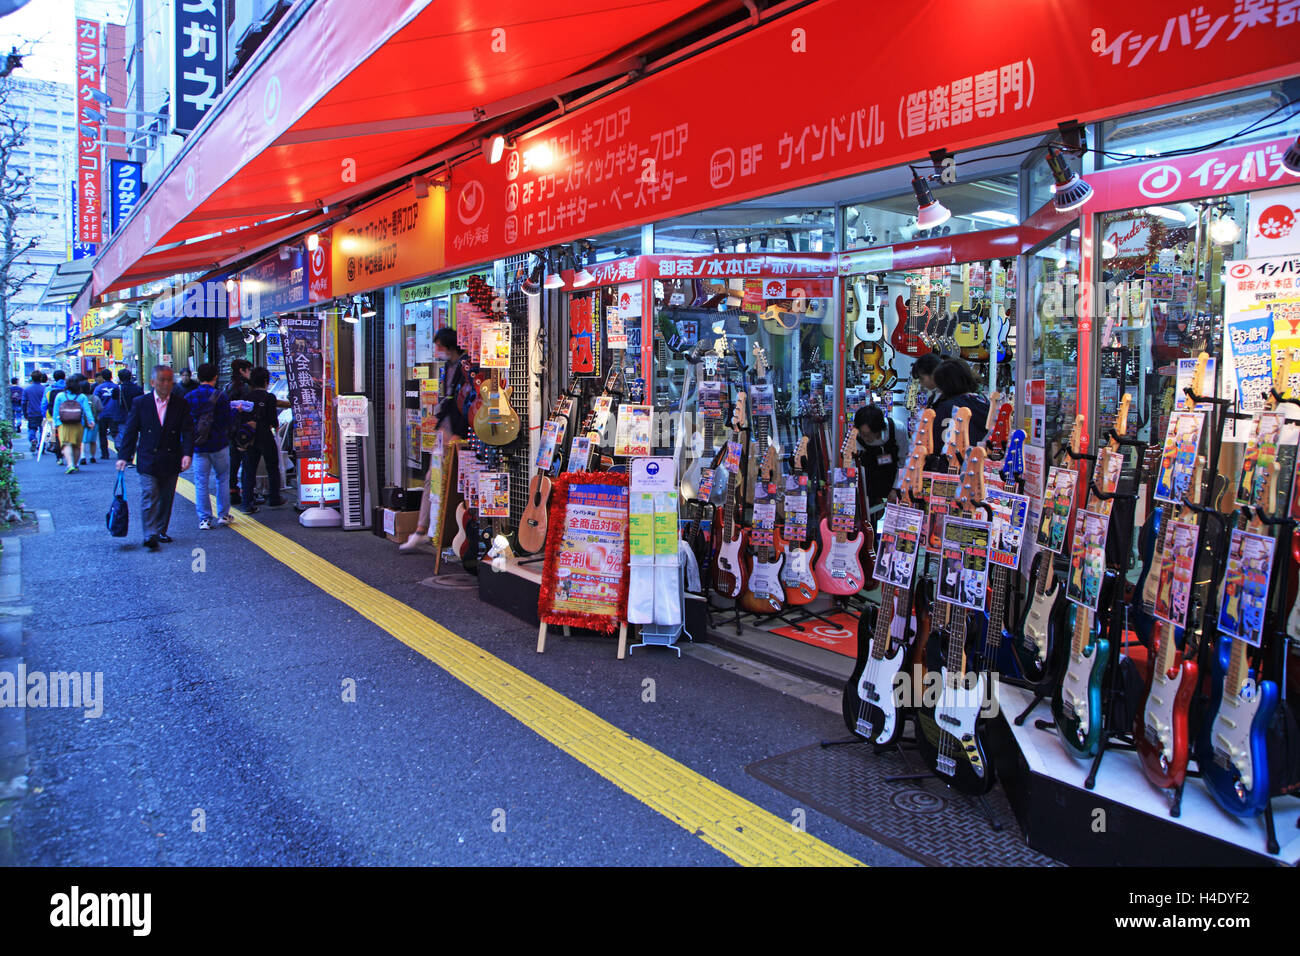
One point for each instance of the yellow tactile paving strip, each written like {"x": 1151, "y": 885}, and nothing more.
{"x": 731, "y": 824}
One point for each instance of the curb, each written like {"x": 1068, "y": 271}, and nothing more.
{"x": 13, "y": 723}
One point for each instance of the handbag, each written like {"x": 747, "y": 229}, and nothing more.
{"x": 118, "y": 518}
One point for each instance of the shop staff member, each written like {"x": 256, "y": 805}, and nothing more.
{"x": 455, "y": 395}
{"x": 159, "y": 434}
{"x": 877, "y": 453}
{"x": 956, "y": 387}
{"x": 923, "y": 370}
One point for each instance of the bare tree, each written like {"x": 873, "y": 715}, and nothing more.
{"x": 15, "y": 202}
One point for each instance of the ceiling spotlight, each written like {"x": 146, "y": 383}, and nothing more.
{"x": 366, "y": 309}
{"x": 929, "y": 211}
{"x": 1070, "y": 192}
{"x": 261, "y": 334}
{"x": 1291, "y": 160}
{"x": 350, "y": 313}
{"x": 539, "y": 156}
{"x": 1225, "y": 230}
{"x": 313, "y": 242}
{"x": 494, "y": 148}
{"x": 89, "y": 131}
{"x": 553, "y": 281}
{"x": 533, "y": 284}
{"x": 584, "y": 276}
{"x": 249, "y": 337}
{"x": 421, "y": 186}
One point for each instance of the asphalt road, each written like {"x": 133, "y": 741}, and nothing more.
{"x": 223, "y": 694}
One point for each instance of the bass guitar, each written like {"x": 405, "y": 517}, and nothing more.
{"x": 763, "y": 592}
{"x": 906, "y": 337}
{"x": 839, "y": 568}
{"x": 729, "y": 566}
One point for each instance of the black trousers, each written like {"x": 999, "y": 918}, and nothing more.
{"x": 236, "y": 456}
{"x": 263, "y": 449}
{"x": 105, "y": 426}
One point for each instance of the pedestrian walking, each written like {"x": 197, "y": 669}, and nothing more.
{"x": 238, "y": 390}
{"x": 58, "y": 382}
{"x": 159, "y": 435}
{"x": 187, "y": 383}
{"x": 74, "y": 417}
{"x": 265, "y": 416}
{"x": 213, "y": 420}
{"x": 119, "y": 405}
{"x": 104, "y": 391}
{"x": 90, "y": 440}
{"x": 16, "y": 404}
{"x": 33, "y": 394}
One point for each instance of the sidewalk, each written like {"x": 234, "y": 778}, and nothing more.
{"x": 224, "y": 676}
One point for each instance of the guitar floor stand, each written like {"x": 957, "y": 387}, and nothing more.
{"x": 983, "y": 804}
{"x": 710, "y": 607}
{"x": 803, "y": 614}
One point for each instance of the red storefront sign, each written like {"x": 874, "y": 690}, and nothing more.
{"x": 89, "y": 160}
{"x": 320, "y": 287}
{"x": 717, "y": 268}
{"x": 661, "y": 147}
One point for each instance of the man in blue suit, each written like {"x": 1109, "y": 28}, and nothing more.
{"x": 162, "y": 427}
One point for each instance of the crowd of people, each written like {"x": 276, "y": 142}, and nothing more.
{"x": 223, "y": 433}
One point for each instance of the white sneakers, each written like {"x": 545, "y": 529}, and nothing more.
{"x": 416, "y": 540}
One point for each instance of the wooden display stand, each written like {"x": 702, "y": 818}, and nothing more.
{"x": 622, "y": 638}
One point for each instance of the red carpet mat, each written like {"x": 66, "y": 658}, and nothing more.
{"x": 842, "y": 639}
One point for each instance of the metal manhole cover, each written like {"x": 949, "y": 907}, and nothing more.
{"x": 918, "y": 801}
{"x": 460, "y": 581}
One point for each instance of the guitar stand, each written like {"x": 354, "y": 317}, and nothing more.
{"x": 804, "y": 614}
{"x": 994, "y": 825}
{"x": 1039, "y": 697}
{"x": 710, "y": 608}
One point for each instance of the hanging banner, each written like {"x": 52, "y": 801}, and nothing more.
{"x": 1261, "y": 310}
{"x": 320, "y": 285}
{"x": 199, "y": 61}
{"x": 89, "y": 154}
{"x": 304, "y": 361}
{"x": 124, "y": 190}
{"x": 642, "y": 154}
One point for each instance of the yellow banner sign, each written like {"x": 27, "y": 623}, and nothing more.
{"x": 396, "y": 240}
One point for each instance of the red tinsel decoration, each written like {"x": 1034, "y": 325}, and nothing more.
{"x": 606, "y": 623}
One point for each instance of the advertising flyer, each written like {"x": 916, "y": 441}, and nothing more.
{"x": 1007, "y": 530}
{"x": 964, "y": 567}
{"x": 844, "y": 502}
{"x": 940, "y": 497}
{"x": 584, "y": 334}
{"x": 1174, "y": 591}
{"x": 1261, "y": 452}
{"x": 1261, "y": 306}
{"x": 352, "y": 415}
{"x": 794, "y": 527}
{"x": 1087, "y": 559}
{"x": 494, "y": 494}
{"x": 589, "y": 564}
{"x": 634, "y": 427}
{"x": 900, "y": 539}
{"x": 1182, "y": 443}
{"x": 494, "y": 346}
{"x": 1058, "y": 503}
{"x": 552, "y": 440}
{"x": 1243, "y": 601}
{"x": 1186, "y": 374}
{"x": 580, "y": 454}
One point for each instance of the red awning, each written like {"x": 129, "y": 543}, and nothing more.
{"x": 350, "y": 95}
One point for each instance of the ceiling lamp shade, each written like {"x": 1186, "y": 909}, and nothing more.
{"x": 1069, "y": 191}
{"x": 494, "y": 148}
{"x": 583, "y": 278}
{"x": 533, "y": 284}
{"x": 929, "y": 211}
{"x": 554, "y": 281}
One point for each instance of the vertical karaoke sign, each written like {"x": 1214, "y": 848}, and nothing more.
{"x": 90, "y": 200}
{"x": 199, "y": 62}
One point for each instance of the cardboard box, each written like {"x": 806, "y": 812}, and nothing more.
{"x": 399, "y": 525}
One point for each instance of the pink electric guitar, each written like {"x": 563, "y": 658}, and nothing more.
{"x": 839, "y": 567}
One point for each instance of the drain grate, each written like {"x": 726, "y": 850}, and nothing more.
{"x": 920, "y": 818}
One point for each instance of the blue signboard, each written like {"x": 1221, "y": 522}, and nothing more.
{"x": 274, "y": 286}
{"x": 80, "y": 250}
{"x": 124, "y": 179}
{"x": 200, "y": 62}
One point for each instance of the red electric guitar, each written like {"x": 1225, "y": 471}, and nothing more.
{"x": 839, "y": 567}
{"x": 906, "y": 337}
{"x": 797, "y": 575}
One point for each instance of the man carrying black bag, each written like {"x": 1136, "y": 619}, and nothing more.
{"x": 161, "y": 424}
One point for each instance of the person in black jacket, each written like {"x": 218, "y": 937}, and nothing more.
{"x": 877, "y": 452}
{"x": 159, "y": 434}
{"x": 956, "y": 387}
{"x": 238, "y": 390}
{"x": 118, "y": 406}
{"x": 265, "y": 417}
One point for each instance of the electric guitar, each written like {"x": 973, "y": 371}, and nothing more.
{"x": 702, "y": 442}
{"x": 906, "y": 337}
{"x": 603, "y": 417}
{"x": 763, "y": 592}
{"x": 797, "y": 575}
{"x": 729, "y": 566}
{"x": 496, "y": 422}
{"x": 838, "y": 567}
{"x": 1233, "y": 749}
{"x": 949, "y": 732}
{"x": 998, "y": 424}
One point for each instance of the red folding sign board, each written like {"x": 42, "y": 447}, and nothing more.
{"x": 790, "y": 104}
{"x": 90, "y": 200}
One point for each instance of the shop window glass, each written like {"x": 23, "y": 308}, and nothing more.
{"x": 1052, "y": 333}
{"x": 989, "y": 203}
{"x": 747, "y": 228}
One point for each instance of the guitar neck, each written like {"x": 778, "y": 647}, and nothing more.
{"x": 956, "y": 658}
{"x": 997, "y": 606}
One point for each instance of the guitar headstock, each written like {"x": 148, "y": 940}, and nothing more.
{"x": 915, "y": 466}
{"x": 740, "y": 413}
{"x": 971, "y": 492}
{"x": 767, "y": 469}
{"x": 961, "y": 437}
{"x": 1281, "y": 374}
{"x": 1198, "y": 380}
{"x": 846, "y": 448}
{"x": 614, "y": 381}
{"x": 995, "y": 406}
{"x": 1076, "y": 434}
{"x": 760, "y": 363}
{"x": 1121, "y": 417}
{"x": 1013, "y": 463}
{"x": 924, "y": 437}
{"x": 799, "y": 460}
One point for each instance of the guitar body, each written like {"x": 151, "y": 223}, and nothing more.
{"x": 838, "y": 569}
{"x": 1038, "y": 625}
{"x": 1160, "y": 731}
{"x": 797, "y": 577}
{"x": 763, "y": 592}
{"x": 870, "y": 705}
{"x": 532, "y": 524}
{"x": 906, "y": 341}
{"x": 1076, "y": 701}
{"x": 1233, "y": 754}
{"x": 876, "y": 366}
{"x": 502, "y": 427}
{"x": 948, "y": 734}
{"x": 729, "y": 566}
{"x": 970, "y": 332}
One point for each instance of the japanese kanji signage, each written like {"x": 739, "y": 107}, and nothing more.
{"x": 124, "y": 184}
{"x": 395, "y": 240}
{"x": 199, "y": 63}
{"x": 1262, "y": 311}
{"x": 304, "y": 363}
{"x": 655, "y": 149}
{"x": 274, "y": 285}
{"x": 80, "y": 250}
{"x": 90, "y": 199}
